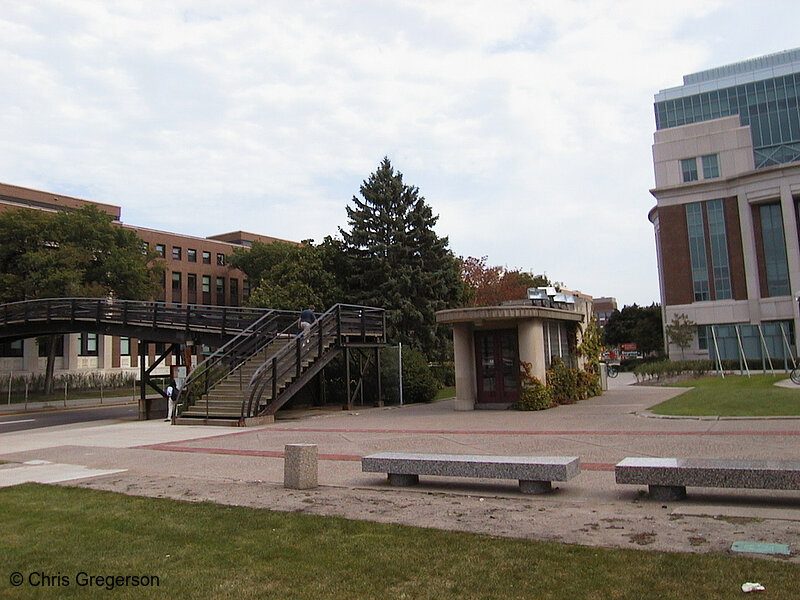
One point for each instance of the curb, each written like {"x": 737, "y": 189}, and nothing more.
{"x": 53, "y": 405}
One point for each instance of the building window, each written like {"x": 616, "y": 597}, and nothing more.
{"x": 161, "y": 250}
{"x": 176, "y": 253}
{"x": 206, "y": 283}
{"x": 710, "y": 166}
{"x": 43, "y": 347}
{"x": 206, "y": 258}
{"x": 697, "y": 251}
{"x": 176, "y": 287}
{"x": 245, "y": 290}
{"x": 191, "y": 288}
{"x": 88, "y": 344}
{"x": 702, "y": 337}
{"x": 234, "y": 291}
{"x": 221, "y": 260}
{"x": 774, "y": 246}
{"x": 124, "y": 346}
{"x": 719, "y": 250}
{"x": 689, "y": 169}
{"x": 145, "y": 248}
{"x": 191, "y": 255}
{"x": 220, "y": 291}
{"x": 11, "y": 349}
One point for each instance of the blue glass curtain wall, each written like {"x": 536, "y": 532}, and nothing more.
{"x": 728, "y": 344}
{"x": 771, "y": 107}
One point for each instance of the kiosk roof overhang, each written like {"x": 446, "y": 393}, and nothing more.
{"x": 505, "y": 313}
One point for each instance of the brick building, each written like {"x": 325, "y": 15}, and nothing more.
{"x": 196, "y": 272}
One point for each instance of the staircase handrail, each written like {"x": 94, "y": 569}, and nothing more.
{"x": 233, "y": 354}
{"x": 341, "y": 322}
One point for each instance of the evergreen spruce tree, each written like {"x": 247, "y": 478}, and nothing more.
{"x": 396, "y": 260}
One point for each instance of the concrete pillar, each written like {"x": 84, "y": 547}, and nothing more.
{"x": 30, "y": 355}
{"x": 531, "y": 347}
{"x": 104, "y": 347}
{"x": 790, "y": 234}
{"x": 464, "y": 355}
{"x": 750, "y": 258}
{"x": 72, "y": 342}
{"x": 300, "y": 466}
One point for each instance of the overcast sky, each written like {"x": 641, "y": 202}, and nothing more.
{"x": 527, "y": 126}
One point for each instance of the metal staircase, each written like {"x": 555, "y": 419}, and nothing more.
{"x": 249, "y": 379}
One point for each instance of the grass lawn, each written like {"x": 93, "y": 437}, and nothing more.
{"x": 734, "y": 396}
{"x": 210, "y": 551}
{"x": 446, "y": 392}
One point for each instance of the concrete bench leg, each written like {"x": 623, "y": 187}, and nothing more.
{"x": 535, "y": 487}
{"x": 400, "y": 480}
{"x": 300, "y": 466}
{"x": 667, "y": 492}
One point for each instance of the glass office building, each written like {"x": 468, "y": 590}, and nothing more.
{"x": 763, "y": 92}
{"x": 726, "y": 156}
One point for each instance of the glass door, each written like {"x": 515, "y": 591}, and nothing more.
{"x": 497, "y": 366}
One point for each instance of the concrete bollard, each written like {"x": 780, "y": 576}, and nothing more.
{"x": 300, "y": 466}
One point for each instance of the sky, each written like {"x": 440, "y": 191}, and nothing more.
{"x": 526, "y": 125}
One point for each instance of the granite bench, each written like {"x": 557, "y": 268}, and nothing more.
{"x": 667, "y": 478}
{"x": 535, "y": 473}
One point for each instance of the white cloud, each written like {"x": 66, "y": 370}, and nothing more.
{"x": 526, "y": 125}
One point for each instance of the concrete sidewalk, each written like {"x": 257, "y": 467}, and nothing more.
{"x": 245, "y": 466}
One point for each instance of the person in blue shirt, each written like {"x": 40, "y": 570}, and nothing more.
{"x": 307, "y": 319}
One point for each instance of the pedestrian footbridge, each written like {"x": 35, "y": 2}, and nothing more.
{"x": 261, "y": 359}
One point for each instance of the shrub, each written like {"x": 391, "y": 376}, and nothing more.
{"x": 445, "y": 373}
{"x": 533, "y": 395}
{"x": 419, "y": 382}
{"x": 563, "y": 382}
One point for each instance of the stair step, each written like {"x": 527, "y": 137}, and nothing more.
{"x": 221, "y": 422}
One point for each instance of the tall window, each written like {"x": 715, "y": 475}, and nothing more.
{"x": 176, "y": 287}
{"x": 88, "y": 344}
{"x": 206, "y": 257}
{"x": 710, "y": 166}
{"x": 191, "y": 288}
{"x": 221, "y": 260}
{"x": 689, "y": 169}
{"x": 719, "y": 250}
{"x": 220, "y": 291}
{"x": 774, "y": 245}
{"x": 124, "y": 346}
{"x": 206, "y": 282}
{"x": 176, "y": 253}
{"x": 234, "y": 291}
{"x": 697, "y": 251}
{"x": 161, "y": 250}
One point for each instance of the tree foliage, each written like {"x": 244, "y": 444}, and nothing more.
{"x": 634, "y": 323}
{"x": 490, "y": 286}
{"x": 396, "y": 260}
{"x": 290, "y": 276}
{"x": 680, "y": 331}
{"x": 71, "y": 254}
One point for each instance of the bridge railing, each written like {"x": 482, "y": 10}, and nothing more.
{"x": 194, "y": 317}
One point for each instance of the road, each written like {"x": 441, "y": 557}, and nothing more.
{"x": 34, "y": 420}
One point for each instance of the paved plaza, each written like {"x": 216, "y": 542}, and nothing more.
{"x": 245, "y": 467}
